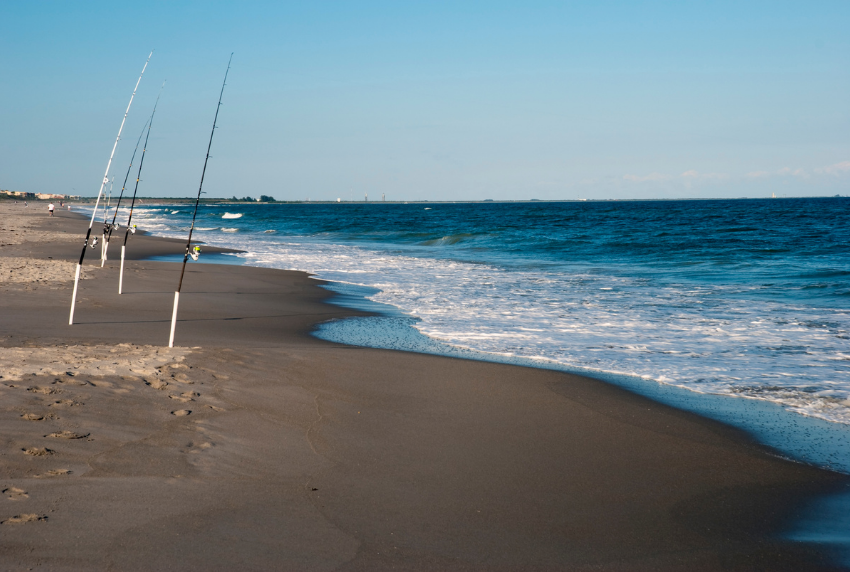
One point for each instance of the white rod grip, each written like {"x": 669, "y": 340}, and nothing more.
{"x": 121, "y": 273}
{"x": 173, "y": 319}
{"x": 74, "y": 298}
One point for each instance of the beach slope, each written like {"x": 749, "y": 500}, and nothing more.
{"x": 254, "y": 446}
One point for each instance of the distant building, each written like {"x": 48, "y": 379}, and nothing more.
{"x": 51, "y": 196}
{"x": 19, "y": 194}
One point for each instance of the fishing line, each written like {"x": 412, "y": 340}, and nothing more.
{"x": 135, "y": 190}
{"x": 108, "y": 227}
{"x": 100, "y": 193}
{"x": 195, "y": 214}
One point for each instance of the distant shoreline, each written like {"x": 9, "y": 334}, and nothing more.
{"x": 207, "y": 201}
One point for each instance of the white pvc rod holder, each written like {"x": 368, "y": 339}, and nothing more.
{"x": 121, "y": 273}
{"x": 173, "y": 319}
{"x": 74, "y": 298}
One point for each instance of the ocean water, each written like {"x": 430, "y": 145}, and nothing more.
{"x": 738, "y": 310}
{"x": 749, "y": 298}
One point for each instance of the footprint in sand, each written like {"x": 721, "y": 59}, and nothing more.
{"x": 24, "y": 518}
{"x": 181, "y": 412}
{"x": 44, "y": 390}
{"x": 32, "y": 417}
{"x": 185, "y": 396}
{"x": 55, "y": 473}
{"x": 68, "y": 435}
{"x": 66, "y": 403}
{"x": 214, "y": 408}
{"x": 194, "y": 448}
{"x": 68, "y": 381}
{"x": 38, "y": 451}
{"x": 157, "y": 384}
{"x": 181, "y": 377}
{"x": 14, "y": 493}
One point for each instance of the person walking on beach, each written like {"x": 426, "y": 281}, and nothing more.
{"x": 50, "y": 208}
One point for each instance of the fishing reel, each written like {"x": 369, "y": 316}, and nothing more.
{"x": 196, "y": 252}
{"x": 133, "y": 229}
{"x": 94, "y": 242}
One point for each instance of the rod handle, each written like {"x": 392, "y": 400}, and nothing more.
{"x": 173, "y": 319}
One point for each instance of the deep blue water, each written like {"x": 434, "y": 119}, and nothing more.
{"x": 741, "y": 297}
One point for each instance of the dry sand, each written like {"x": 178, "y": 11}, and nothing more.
{"x": 262, "y": 448}
{"x": 120, "y": 359}
{"x": 16, "y": 227}
{"x": 17, "y": 220}
{"x": 25, "y": 270}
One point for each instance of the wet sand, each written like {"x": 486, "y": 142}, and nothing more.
{"x": 254, "y": 446}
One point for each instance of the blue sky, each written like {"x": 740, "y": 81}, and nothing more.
{"x": 436, "y": 100}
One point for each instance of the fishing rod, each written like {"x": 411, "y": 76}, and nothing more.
{"x": 135, "y": 190}
{"x": 100, "y": 193}
{"x": 107, "y": 227}
{"x": 195, "y": 214}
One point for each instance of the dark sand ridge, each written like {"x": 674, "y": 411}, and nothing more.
{"x": 299, "y": 454}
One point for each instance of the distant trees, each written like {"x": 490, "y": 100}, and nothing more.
{"x": 262, "y": 199}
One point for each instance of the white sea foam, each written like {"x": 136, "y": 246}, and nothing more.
{"x": 708, "y": 338}
{"x": 231, "y": 215}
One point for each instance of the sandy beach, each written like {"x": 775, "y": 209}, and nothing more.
{"x": 252, "y": 445}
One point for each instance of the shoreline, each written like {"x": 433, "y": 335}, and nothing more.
{"x": 398, "y": 454}
{"x": 803, "y": 438}
{"x": 813, "y": 439}
{"x": 677, "y": 325}
{"x": 226, "y": 201}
